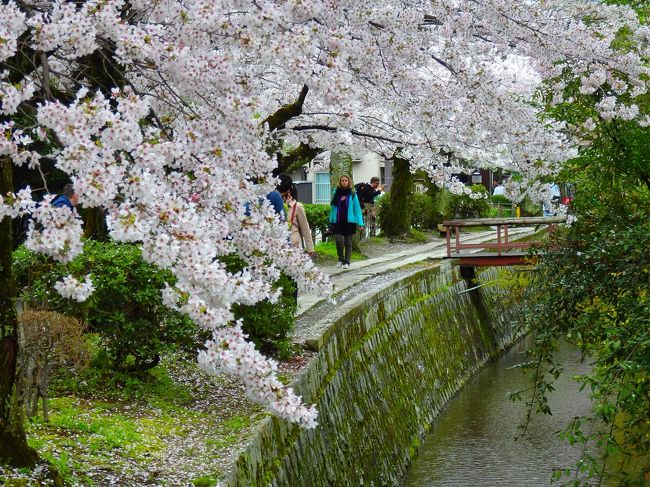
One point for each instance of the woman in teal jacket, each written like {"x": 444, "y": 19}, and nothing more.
{"x": 345, "y": 215}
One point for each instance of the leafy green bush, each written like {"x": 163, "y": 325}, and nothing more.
{"x": 529, "y": 208}
{"x": 318, "y": 217}
{"x": 126, "y": 308}
{"x": 591, "y": 288}
{"x": 500, "y": 199}
{"x": 424, "y": 212}
{"x": 500, "y": 211}
{"x": 417, "y": 236}
{"x": 268, "y": 324}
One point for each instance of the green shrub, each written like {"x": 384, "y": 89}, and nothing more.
{"x": 126, "y": 308}
{"x": 529, "y": 208}
{"x": 500, "y": 211}
{"x": 500, "y": 199}
{"x": 268, "y": 324}
{"x": 417, "y": 236}
{"x": 424, "y": 213}
{"x": 318, "y": 217}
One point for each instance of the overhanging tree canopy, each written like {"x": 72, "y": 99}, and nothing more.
{"x": 177, "y": 140}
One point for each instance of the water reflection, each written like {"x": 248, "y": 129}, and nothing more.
{"x": 472, "y": 443}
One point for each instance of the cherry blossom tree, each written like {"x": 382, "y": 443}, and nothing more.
{"x": 171, "y": 116}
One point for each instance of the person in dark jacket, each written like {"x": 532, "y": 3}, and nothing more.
{"x": 345, "y": 215}
{"x": 276, "y": 197}
{"x": 367, "y": 192}
{"x": 68, "y": 198}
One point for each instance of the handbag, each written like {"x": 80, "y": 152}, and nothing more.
{"x": 329, "y": 232}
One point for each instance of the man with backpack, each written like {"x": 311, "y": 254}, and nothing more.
{"x": 367, "y": 192}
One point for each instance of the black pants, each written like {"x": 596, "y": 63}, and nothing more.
{"x": 344, "y": 247}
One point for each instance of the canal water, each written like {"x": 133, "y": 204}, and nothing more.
{"x": 473, "y": 442}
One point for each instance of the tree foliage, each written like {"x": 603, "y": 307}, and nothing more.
{"x": 592, "y": 288}
{"x": 126, "y": 309}
{"x": 318, "y": 217}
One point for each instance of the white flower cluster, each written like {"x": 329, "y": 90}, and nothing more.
{"x": 11, "y": 96}
{"x": 66, "y": 27}
{"x": 11, "y": 27}
{"x": 70, "y": 287}
{"x": 55, "y": 231}
{"x": 15, "y": 205}
{"x": 14, "y": 144}
{"x": 570, "y": 220}
{"x": 230, "y": 352}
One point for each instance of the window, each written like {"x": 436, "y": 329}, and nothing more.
{"x": 322, "y": 187}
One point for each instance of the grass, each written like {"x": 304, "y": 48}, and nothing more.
{"x": 377, "y": 240}
{"x": 415, "y": 236}
{"x": 326, "y": 253}
{"x": 418, "y": 236}
{"x": 166, "y": 425}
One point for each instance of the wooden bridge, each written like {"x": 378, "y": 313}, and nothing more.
{"x": 500, "y": 252}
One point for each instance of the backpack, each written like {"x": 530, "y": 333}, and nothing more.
{"x": 359, "y": 188}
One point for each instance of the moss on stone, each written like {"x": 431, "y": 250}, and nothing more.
{"x": 386, "y": 368}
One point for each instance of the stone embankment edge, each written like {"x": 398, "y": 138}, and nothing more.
{"x": 385, "y": 370}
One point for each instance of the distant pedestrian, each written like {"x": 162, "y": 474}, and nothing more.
{"x": 556, "y": 198}
{"x": 368, "y": 194}
{"x": 276, "y": 197}
{"x": 499, "y": 189}
{"x": 298, "y": 224}
{"x": 68, "y": 198}
{"x": 345, "y": 215}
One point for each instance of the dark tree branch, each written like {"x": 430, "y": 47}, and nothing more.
{"x": 278, "y": 119}
{"x": 354, "y": 132}
{"x": 46, "y": 74}
{"x": 295, "y": 158}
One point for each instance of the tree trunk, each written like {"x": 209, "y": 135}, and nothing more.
{"x": 14, "y": 450}
{"x": 340, "y": 165}
{"x": 396, "y": 215}
{"x": 95, "y": 224}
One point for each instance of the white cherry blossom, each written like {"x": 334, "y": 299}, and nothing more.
{"x": 70, "y": 287}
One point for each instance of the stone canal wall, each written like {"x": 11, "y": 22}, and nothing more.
{"x": 383, "y": 373}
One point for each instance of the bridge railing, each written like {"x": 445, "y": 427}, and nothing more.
{"x": 502, "y": 244}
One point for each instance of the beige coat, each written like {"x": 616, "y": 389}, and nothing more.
{"x": 299, "y": 227}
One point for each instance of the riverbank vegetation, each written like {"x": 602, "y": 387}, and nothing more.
{"x": 592, "y": 289}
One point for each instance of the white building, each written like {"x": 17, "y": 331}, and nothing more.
{"x": 314, "y": 186}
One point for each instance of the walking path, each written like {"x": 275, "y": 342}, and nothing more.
{"x": 316, "y": 312}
